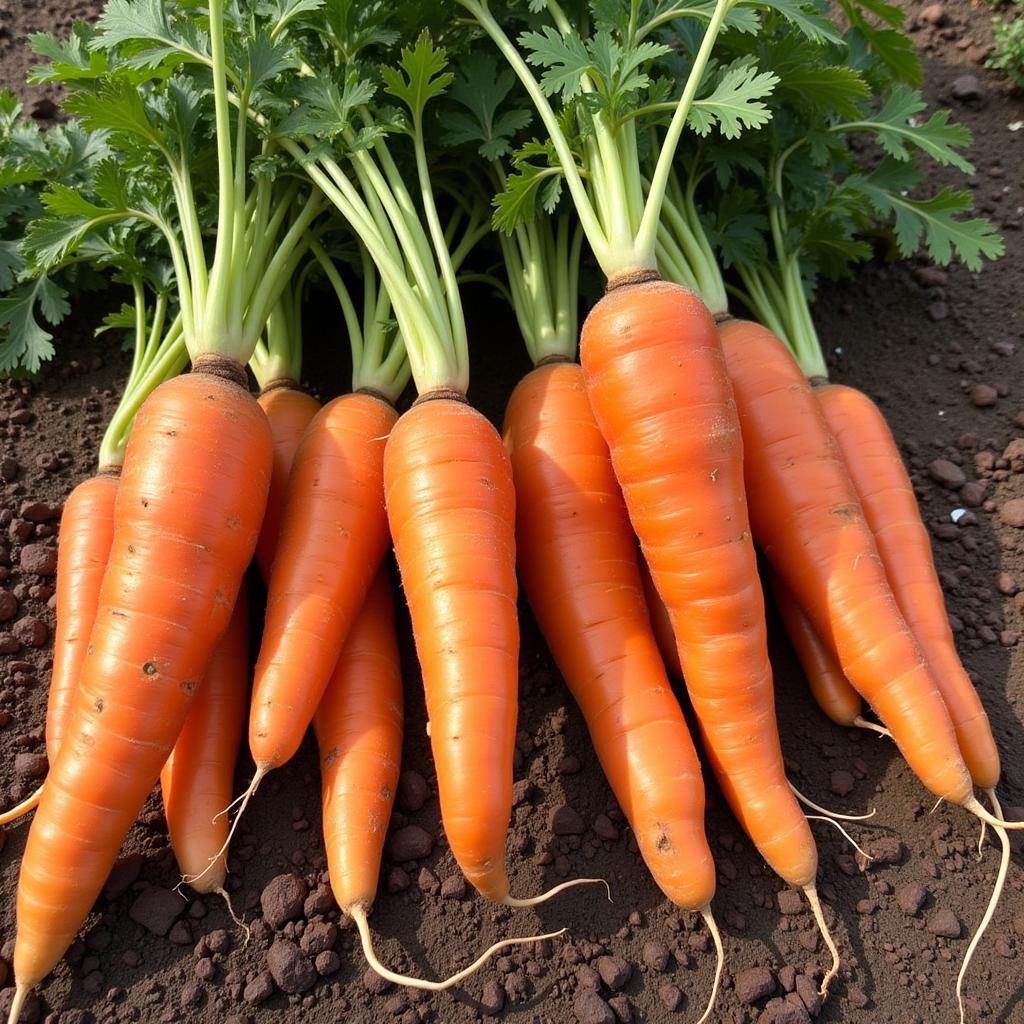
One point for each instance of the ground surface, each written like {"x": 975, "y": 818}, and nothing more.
{"x": 930, "y": 348}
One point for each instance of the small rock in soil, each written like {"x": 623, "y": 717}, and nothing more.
{"x": 8, "y": 605}
{"x": 1007, "y": 584}
{"x": 290, "y": 968}
{"x": 157, "y": 909}
{"x": 857, "y": 998}
{"x": 983, "y": 395}
{"x": 614, "y": 971}
{"x": 967, "y": 89}
{"x": 622, "y": 1008}
{"x": 564, "y": 821}
{"x": 453, "y": 887}
{"x": 807, "y": 990}
{"x": 180, "y": 934}
{"x": 282, "y": 899}
{"x": 590, "y": 1008}
{"x": 656, "y": 955}
{"x": 933, "y": 14}
{"x": 947, "y": 473}
{"x": 937, "y": 311}
{"x": 911, "y": 898}
{"x": 790, "y": 902}
{"x": 410, "y": 843}
{"x": 30, "y": 631}
{"x": 972, "y": 494}
{"x": 784, "y": 1012}
{"x": 123, "y": 875}
{"x": 374, "y": 983}
{"x": 945, "y": 924}
{"x": 753, "y": 985}
{"x": 522, "y": 790}
{"x": 318, "y": 937}
{"x": 30, "y": 766}
{"x": 40, "y": 559}
{"x": 604, "y": 828}
{"x": 1012, "y": 513}
{"x": 413, "y": 791}
{"x": 885, "y": 850}
{"x": 326, "y": 963}
{"x": 260, "y": 989}
{"x": 39, "y": 511}
{"x": 842, "y": 783}
{"x": 671, "y": 995}
{"x": 492, "y": 999}
{"x": 219, "y": 941}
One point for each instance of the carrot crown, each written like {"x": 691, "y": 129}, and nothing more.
{"x": 600, "y": 68}
{"x": 345, "y": 146}
{"x": 144, "y": 75}
{"x": 541, "y": 255}
{"x": 159, "y": 353}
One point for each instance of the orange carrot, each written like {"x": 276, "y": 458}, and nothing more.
{"x": 578, "y": 563}
{"x": 333, "y": 538}
{"x": 451, "y": 507}
{"x": 676, "y": 448}
{"x": 197, "y": 780}
{"x": 887, "y": 496}
{"x": 807, "y": 518}
{"x": 289, "y": 412}
{"x": 359, "y": 729}
{"x": 187, "y": 515}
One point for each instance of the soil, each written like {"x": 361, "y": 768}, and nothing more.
{"x": 939, "y": 352}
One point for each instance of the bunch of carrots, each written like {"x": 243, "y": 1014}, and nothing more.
{"x": 629, "y": 489}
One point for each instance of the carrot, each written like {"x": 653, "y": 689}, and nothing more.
{"x": 334, "y": 533}
{"x": 890, "y": 508}
{"x": 289, "y": 412}
{"x": 86, "y": 532}
{"x": 277, "y": 366}
{"x": 660, "y": 623}
{"x": 579, "y": 568}
{"x": 186, "y": 520}
{"x": 85, "y": 537}
{"x": 359, "y": 729}
{"x": 333, "y": 537}
{"x": 807, "y": 518}
{"x": 198, "y": 777}
{"x": 451, "y": 508}
{"x": 677, "y": 453}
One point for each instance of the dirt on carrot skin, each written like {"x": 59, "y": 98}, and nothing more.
{"x": 941, "y": 352}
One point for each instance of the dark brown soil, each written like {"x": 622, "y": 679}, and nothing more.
{"x": 929, "y": 347}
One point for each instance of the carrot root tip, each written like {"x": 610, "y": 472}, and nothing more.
{"x": 358, "y": 915}
{"x": 997, "y": 891}
{"x": 20, "y": 995}
{"x": 819, "y": 916}
{"x": 223, "y": 893}
{"x": 716, "y": 937}
{"x": 242, "y": 802}
{"x": 533, "y": 901}
{"x": 862, "y": 723}
{"x": 807, "y": 802}
{"x": 20, "y": 810}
